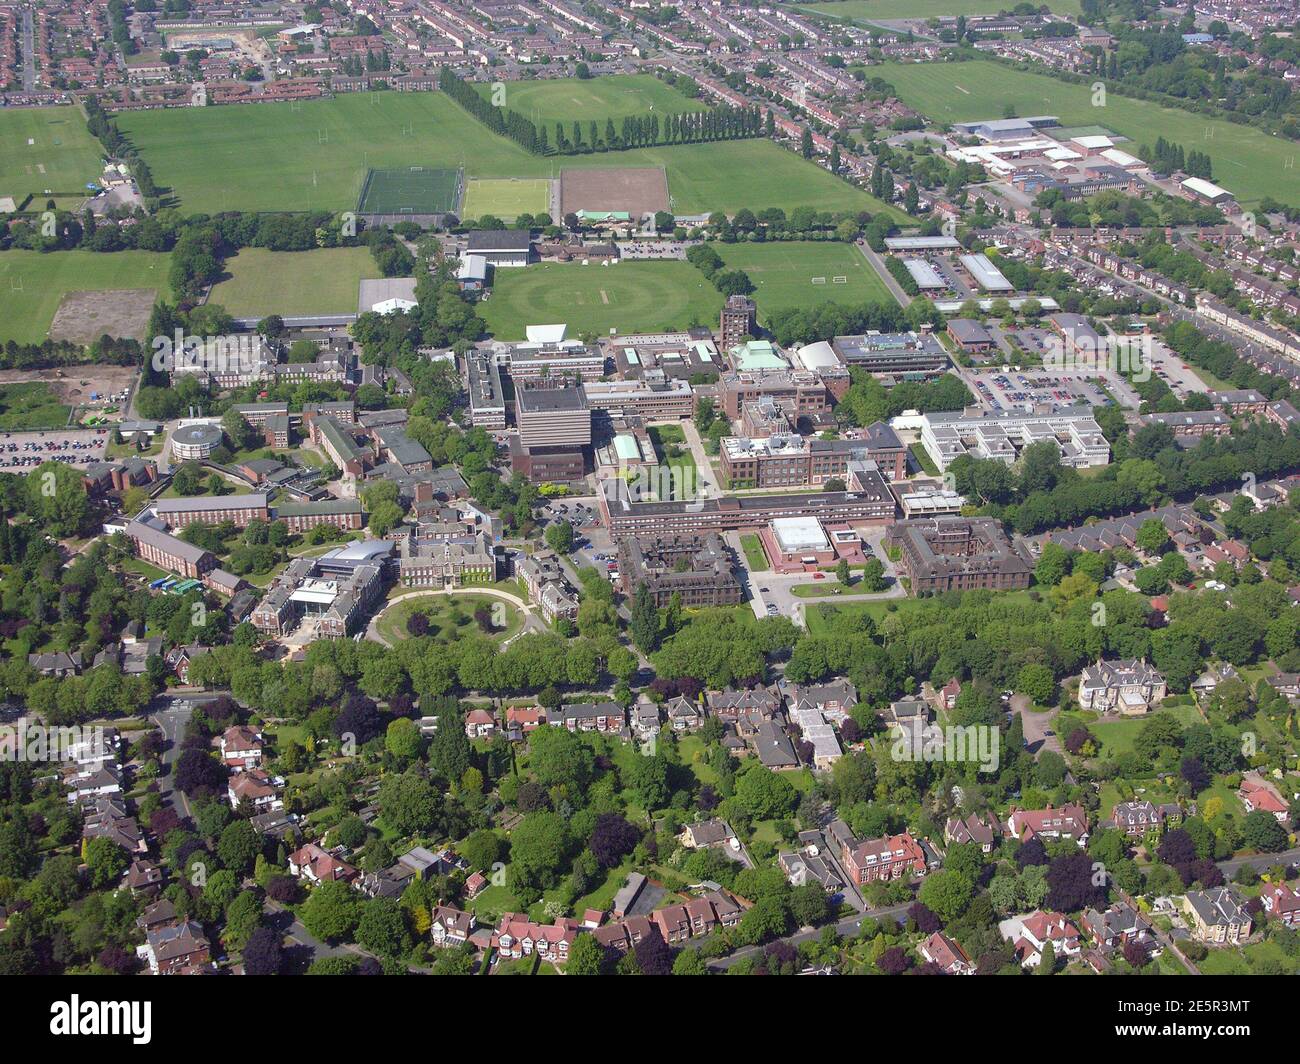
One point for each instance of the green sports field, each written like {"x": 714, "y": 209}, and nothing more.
{"x": 785, "y": 274}
{"x": 1248, "y": 163}
{"x": 569, "y": 100}
{"x": 323, "y": 281}
{"x": 62, "y": 158}
{"x": 631, "y": 297}
{"x": 506, "y": 198}
{"x": 33, "y": 284}
{"x": 410, "y": 190}
{"x": 269, "y": 157}
{"x": 866, "y": 10}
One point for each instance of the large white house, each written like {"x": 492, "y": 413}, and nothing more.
{"x": 1129, "y": 687}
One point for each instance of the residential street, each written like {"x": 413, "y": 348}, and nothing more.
{"x": 850, "y": 925}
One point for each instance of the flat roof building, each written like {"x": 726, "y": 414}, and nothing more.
{"x": 948, "y": 435}
{"x": 985, "y": 274}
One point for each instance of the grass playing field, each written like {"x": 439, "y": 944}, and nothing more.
{"x": 33, "y": 284}
{"x": 866, "y": 10}
{"x": 411, "y": 190}
{"x": 62, "y": 157}
{"x": 506, "y": 198}
{"x": 632, "y": 297}
{"x": 291, "y": 283}
{"x": 784, "y": 273}
{"x": 1248, "y": 163}
{"x": 569, "y": 100}
{"x": 30, "y": 406}
{"x": 268, "y": 157}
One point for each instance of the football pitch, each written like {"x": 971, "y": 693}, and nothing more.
{"x": 314, "y": 155}
{"x": 46, "y": 148}
{"x": 293, "y": 283}
{"x": 612, "y": 98}
{"x": 804, "y": 274}
{"x": 506, "y": 197}
{"x": 630, "y": 296}
{"x": 410, "y": 190}
{"x": 1248, "y": 163}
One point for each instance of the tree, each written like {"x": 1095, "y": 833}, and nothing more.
{"x": 482, "y": 849}
{"x": 1047, "y": 960}
{"x": 842, "y": 573}
{"x": 243, "y": 917}
{"x": 409, "y": 804}
{"x": 644, "y": 624}
{"x": 402, "y": 739}
{"x": 539, "y": 847}
{"x": 559, "y": 537}
{"x": 612, "y": 839}
{"x": 331, "y": 911}
{"x": 56, "y": 499}
{"x": 1037, "y": 682}
{"x": 586, "y": 956}
{"x": 1261, "y": 831}
{"x": 763, "y": 794}
{"x": 450, "y": 752}
{"x": 690, "y": 962}
{"x": 1071, "y": 884}
{"x": 946, "y": 893}
{"x": 383, "y": 929}
{"x": 105, "y": 861}
{"x": 238, "y": 846}
{"x": 873, "y": 575}
{"x": 262, "y": 953}
{"x": 653, "y": 955}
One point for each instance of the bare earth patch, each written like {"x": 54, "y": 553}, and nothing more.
{"x": 85, "y": 316}
{"x": 72, "y": 385}
{"x": 636, "y": 190}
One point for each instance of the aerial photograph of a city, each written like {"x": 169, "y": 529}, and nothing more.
{"x": 650, "y": 487}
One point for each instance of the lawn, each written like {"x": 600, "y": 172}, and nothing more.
{"x": 671, "y": 449}
{"x": 33, "y": 284}
{"x": 569, "y": 100}
{"x": 923, "y": 459}
{"x": 314, "y": 154}
{"x": 506, "y": 197}
{"x": 1117, "y": 736}
{"x": 30, "y": 406}
{"x": 61, "y": 159}
{"x": 1246, "y": 162}
{"x": 866, "y": 10}
{"x": 796, "y": 274}
{"x": 755, "y": 556}
{"x": 451, "y": 617}
{"x": 323, "y": 281}
{"x": 630, "y": 297}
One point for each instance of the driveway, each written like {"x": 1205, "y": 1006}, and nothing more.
{"x": 1040, "y": 732}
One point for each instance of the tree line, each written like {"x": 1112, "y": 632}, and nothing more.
{"x": 636, "y": 131}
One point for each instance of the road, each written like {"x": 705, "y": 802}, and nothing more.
{"x": 29, "y": 51}
{"x": 172, "y": 720}
{"x": 882, "y": 271}
{"x": 847, "y": 927}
